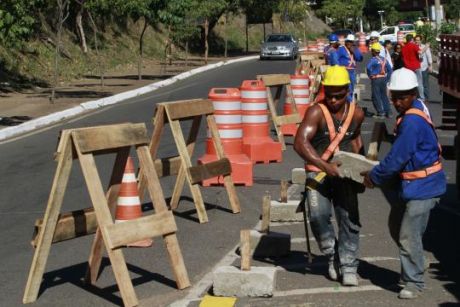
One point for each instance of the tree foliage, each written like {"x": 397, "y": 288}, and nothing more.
{"x": 342, "y": 11}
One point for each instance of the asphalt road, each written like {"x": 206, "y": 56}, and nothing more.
{"x": 27, "y": 169}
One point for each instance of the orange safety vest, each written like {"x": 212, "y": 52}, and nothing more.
{"x": 333, "y": 136}
{"x": 437, "y": 166}
{"x": 352, "y": 63}
{"x": 382, "y": 73}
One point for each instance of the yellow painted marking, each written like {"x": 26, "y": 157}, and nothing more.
{"x": 214, "y": 301}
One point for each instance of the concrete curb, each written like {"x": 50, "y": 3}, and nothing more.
{"x": 46, "y": 120}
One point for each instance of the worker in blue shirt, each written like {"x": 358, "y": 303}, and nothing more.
{"x": 415, "y": 157}
{"x": 347, "y": 56}
{"x": 378, "y": 70}
{"x": 330, "y": 52}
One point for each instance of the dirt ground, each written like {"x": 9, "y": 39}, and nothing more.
{"x": 17, "y": 107}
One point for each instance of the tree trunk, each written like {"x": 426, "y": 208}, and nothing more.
{"x": 80, "y": 30}
{"x": 99, "y": 61}
{"x": 186, "y": 54}
{"x": 206, "y": 45}
{"x": 63, "y": 12}
{"x": 141, "y": 50}
{"x": 247, "y": 36}
{"x": 169, "y": 46}
{"x": 225, "y": 36}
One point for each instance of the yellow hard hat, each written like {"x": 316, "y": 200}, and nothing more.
{"x": 376, "y": 46}
{"x": 336, "y": 76}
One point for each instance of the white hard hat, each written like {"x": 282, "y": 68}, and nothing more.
{"x": 402, "y": 79}
{"x": 375, "y": 34}
{"x": 350, "y": 37}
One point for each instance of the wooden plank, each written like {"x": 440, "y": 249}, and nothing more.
{"x": 274, "y": 116}
{"x": 168, "y": 166}
{"x": 265, "y": 225}
{"x": 53, "y": 207}
{"x": 378, "y": 135}
{"x": 156, "y": 194}
{"x": 94, "y": 185}
{"x": 70, "y": 225}
{"x": 97, "y": 248}
{"x": 158, "y": 126}
{"x": 284, "y": 191}
{"x": 228, "y": 182}
{"x": 110, "y": 137}
{"x": 186, "y": 162}
{"x": 154, "y": 225}
{"x": 245, "y": 249}
{"x": 188, "y": 108}
{"x": 181, "y": 177}
{"x": 276, "y": 79}
{"x": 212, "y": 169}
{"x": 288, "y": 119}
{"x": 291, "y": 100}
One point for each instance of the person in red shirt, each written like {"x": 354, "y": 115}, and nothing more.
{"x": 411, "y": 55}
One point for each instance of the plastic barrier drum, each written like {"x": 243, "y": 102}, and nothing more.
{"x": 257, "y": 143}
{"x": 228, "y": 114}
{"x": 362, "y": 43}
{"x": 300, "y": 85}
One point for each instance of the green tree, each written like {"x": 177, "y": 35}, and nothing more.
{"x": 342, "y": 11}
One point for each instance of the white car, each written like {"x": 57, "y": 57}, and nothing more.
{"x": 391, "y": 33}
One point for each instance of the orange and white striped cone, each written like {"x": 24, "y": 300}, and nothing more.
{"x": 128, "y": 202}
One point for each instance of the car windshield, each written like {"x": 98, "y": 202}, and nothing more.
{"x": 278, "y": 38}
{"x": 406, "y": 27}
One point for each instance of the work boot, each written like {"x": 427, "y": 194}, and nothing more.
{"x": 349, "y": 279}
{"x": 409, "y": 292}
{"x": 333, "y": 269}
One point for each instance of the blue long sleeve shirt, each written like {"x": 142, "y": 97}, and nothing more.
{"x": 415, "y": 148}
{"x": 332, "y": 58}
{"x": 344, "y": 59}
{"x": 374, "y": 67}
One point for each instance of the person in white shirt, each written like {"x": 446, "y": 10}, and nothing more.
{"x": 426, "y": 64}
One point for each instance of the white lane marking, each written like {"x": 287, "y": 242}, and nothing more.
{"x": 196, "y": 292}
{"x": 325, "y": 290}
{"x": 302, "y": 239}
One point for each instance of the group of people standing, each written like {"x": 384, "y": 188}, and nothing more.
{"x": 413, "y": 55}
{"x": 386, "y": 58}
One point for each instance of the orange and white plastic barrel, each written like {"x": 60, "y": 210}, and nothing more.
{"x": 300, "y": 85}
{"x": 362, "y": 43}
{"x": 228, "y": 116}
{"x": 257, "y": 143}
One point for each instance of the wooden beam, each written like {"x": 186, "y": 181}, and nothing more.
{"x": 209, "y": 170}
{"x": 275, "y": 79}
{"x": 154, "y": 225}
{"x": 266, "y": 202}
{"x": 70, "y": 225}
{"x": 53, "y": 207}
{"x": 283, "y": 191}
{"x": 167, "y": 166}
{"x": 245, "y": 249}
{"x": 110, "y": 137}
{"x": 188, "y": 108}
{"x": 288, "y": 119}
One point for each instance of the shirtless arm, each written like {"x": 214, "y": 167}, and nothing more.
{"x": 357, "y": 142}
{"x": 305, "y": 133}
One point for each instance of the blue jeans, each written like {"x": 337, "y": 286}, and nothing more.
{"x": 351, "y": 87}
{"x": 421, "y": 93}
{"x": 407, "y": 224}
{"x": 339, "y": 194}
{"x": 426, "y": 83}
{"x": 379, "y": 96}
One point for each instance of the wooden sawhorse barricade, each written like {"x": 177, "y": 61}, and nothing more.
{"x": 174, "y": 113}
{"x": 278, "y": 81}
{"x": 83, "y": 144}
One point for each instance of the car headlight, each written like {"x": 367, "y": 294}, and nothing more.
{"x": 284, "y": 48}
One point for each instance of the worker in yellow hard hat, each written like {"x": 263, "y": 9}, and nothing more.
{"x": 327, "y": 126}
{"x": 378, "y": 69}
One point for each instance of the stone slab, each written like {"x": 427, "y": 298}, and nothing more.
{"x": 231, "y": 281}
{"x": 295, "y": 191}
{"x": 272, "y": 244}
{"x": 285, "y": 212}
{"x": 353, "y": 164}
{"x": 298, "y": 175}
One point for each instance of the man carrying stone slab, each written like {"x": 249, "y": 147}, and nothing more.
{"x": 415, "y": 159}
{"x": 328, "y": 126}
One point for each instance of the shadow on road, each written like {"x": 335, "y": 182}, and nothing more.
{"x": 75, "y": 275}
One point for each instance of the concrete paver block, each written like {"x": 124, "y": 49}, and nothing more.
{"x": 231, "y": 281}
{"x": 272, "y": 244}
{"x": 295, "y": 191}
{"x": 298, "y": 175}
{"x": 353, "y": 164}
{"x": 285, "y": 212}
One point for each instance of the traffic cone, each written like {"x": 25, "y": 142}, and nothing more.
{"x": 129, "y": 203}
